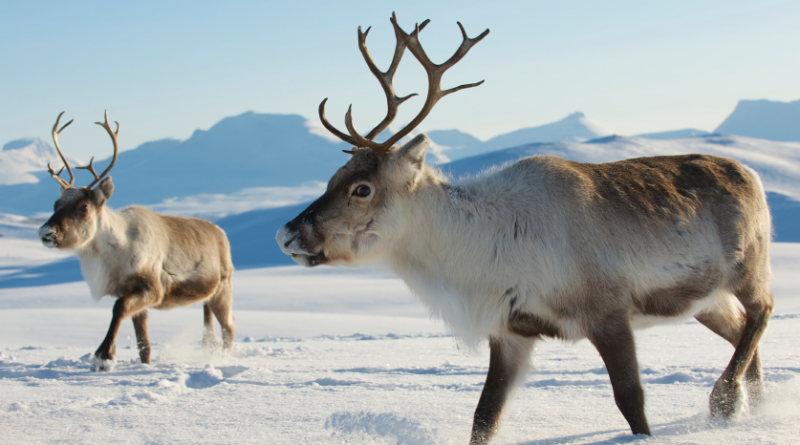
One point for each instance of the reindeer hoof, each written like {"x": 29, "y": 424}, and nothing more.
{"x": 726, "y": 399}
{"x": 211, "y": 343}
{"x": 102, "y": 365}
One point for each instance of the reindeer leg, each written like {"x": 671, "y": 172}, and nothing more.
{"x": 746, "y": 359}
{"x": 209, "y": 338}
{"x": 728, "y": 321}
{"x": 108, "y": 349}
{"x": 614, "y": 341}
{"x": 142, "y": 336}
{"x": 220, "y": 304}
{"x": 131, "y": 304}
{"x": 508, "y": 361}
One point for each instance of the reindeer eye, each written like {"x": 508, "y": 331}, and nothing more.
{"x": 84, "y": 208}
{"x": 362, "y": 191}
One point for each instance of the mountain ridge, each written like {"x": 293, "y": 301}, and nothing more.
{"x": 255, "y": 151}
{"x": 764, "y": 119}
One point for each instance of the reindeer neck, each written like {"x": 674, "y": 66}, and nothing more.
{"x": 110, "y": 235}
{"x": 446, "y": 225}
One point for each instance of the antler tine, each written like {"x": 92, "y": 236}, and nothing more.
{"x": 113, "y": 135}
{"x": 57, "y": 176}
{"x": 466, "y": 45}
{"x": 331, "y": 128}
{"x": 361, "y": 141}
{"x": 434, "y": 72}
{"x": 90, "y": 167}
{"x": 386, "y": 78}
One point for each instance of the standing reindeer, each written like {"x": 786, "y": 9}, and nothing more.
{"x": 144, "y": 259}
{"x": 547, "y": 247}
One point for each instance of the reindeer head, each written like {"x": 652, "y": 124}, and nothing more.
{"x": 74, "y": 222}
{"x": 361, "y": 213}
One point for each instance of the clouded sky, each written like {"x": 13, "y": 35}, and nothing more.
{"x": 164, "y": 69}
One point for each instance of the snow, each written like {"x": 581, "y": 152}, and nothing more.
{"x": 350, "y": 356}
{"x": 332, "y": 355}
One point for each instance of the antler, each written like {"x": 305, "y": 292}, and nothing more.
{"x": 113, "y": 135}
{"x": 385, "y": 78}
{"x": 57, "y": 176}
{"x": 434, "y": 72}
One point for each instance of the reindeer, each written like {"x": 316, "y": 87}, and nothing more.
{"x": 547, "y": 247}
{"x": 144, "y": 259}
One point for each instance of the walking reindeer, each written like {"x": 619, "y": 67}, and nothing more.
{"x": 144, "y": 259}
{"x": 547, "y": 247}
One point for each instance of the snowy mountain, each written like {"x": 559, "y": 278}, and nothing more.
{"x": 574, "y": 128}
{"x": 764, "y": 119}
{"x": 251, "y": 155}
{"x": 21, "y": 158}
{"x": 247, "y": 151}
{"x": 459, "y": 144}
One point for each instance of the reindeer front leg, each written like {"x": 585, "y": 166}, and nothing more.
{"x": 508, "y": 361}
{"x": 124, "y": 307}
{"x": 613, "y": 339}
{"x": 104, "y": 356}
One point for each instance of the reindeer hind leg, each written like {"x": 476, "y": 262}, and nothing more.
{"x": 756, "y": 298}
{"x": 221, "y": 305}
{"x": 727, "y": 320}
{"x": 140, "y": 326}
{"x": 209, "y": 337}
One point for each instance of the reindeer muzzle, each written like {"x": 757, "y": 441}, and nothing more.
{"x": 48, "y": 235}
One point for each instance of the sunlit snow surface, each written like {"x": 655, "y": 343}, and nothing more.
{"x": 340, "y": 356}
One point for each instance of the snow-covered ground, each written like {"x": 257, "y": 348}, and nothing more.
{"x": 349, "y": 356}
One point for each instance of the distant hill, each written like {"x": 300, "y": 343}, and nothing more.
{"x": 459, "y": 144}
{"x": 248, "y": 150}
{"x": 764, "y": 119}
{"x": 254, "y": 154}
{"x": 574, "y": 128}
{"x": 251, "y": 150}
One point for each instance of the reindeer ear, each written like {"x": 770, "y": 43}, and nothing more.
{"x": 414, "y": 151}
{"x": 103, "y": 191}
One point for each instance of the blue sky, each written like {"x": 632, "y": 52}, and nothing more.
{"x": 164, "y": 69}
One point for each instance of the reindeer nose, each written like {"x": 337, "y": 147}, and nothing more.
{"x": 46, "y": 233}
